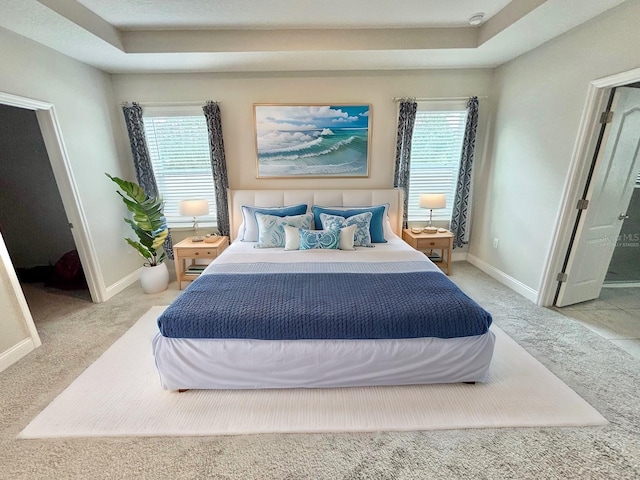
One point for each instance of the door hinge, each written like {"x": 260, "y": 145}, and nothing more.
{"x": 583, "y": 203}
{"x": 70, "y": 225}
{"x": 562, "y": 277}
{"x": 606, "y": 117}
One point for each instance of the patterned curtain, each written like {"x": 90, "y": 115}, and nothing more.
{"x": 218, "y": 165}
{"x": 141, "y": 159}
{"x": 462, "y": 201}
{"x": 406, "y": 121}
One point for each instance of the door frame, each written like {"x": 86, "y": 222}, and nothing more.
{"x": 584, "y": 148}
{"x": 59, "y": 159}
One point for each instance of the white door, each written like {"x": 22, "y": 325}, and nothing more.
{"x": 609, "y": 195}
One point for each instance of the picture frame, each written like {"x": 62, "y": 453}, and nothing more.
{"x": 312, "y": 140}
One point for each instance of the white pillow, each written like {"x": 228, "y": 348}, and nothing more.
{"x": 291, "y": 238}
{"x": 347, "y": 236}
{"x": 388, "y": 230}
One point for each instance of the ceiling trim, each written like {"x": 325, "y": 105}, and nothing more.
{"x": 83, "y": 17}
{"x": 191, "y": 41}
{"x": 506, "y": 17}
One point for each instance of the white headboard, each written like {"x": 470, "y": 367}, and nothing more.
{"x": 326, "y": 198}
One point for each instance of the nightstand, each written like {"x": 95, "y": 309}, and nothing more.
{"x": 426, "y": 243}
{"x": 188, "y": 250}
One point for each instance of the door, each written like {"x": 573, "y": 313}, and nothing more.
{"x": 609, "y": 194}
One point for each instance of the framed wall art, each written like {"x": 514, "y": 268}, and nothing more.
{"x": 319, "y": 140}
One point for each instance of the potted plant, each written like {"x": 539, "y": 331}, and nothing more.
{"x": 150, "y": 226}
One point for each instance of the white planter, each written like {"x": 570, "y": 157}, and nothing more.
{"x": 154, "y": 279}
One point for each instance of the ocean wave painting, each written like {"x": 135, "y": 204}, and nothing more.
{"x": 312, "y": 140}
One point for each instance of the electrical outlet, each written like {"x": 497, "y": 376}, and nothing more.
{"x": 495, "y": 242}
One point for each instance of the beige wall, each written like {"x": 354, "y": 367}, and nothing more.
{"x": 237, "y": 94}
{"x": 539, "y": 98}
{"x": 88, "y": 113}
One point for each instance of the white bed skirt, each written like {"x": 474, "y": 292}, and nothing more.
{"x": 247, "y": 364}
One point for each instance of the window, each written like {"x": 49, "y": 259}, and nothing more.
{"x": 436, "y": 148}
{"x": 179, "y": 150}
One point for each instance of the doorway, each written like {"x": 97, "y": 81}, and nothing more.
{"x": 607, "y": 194}
{"x": 33, "y": 222}
{"x": 59, "y": 163}
{"x": 584, "y": 151}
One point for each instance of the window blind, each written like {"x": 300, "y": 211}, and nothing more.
{"x": 435, "y": 159}
{"x": 179, "y": 151}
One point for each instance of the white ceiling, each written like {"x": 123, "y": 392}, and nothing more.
{"x": 293, "y": 35}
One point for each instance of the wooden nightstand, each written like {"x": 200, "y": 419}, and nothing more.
{"x": 428, "y": 242}
{"x": 187, "y": 249}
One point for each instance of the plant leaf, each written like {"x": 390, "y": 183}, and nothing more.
{"x": 140, "y": 248}
{"x": 148, "y": 223}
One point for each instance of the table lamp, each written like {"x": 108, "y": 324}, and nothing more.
{"x": 194, "y": 208}
{"x": 431, "y": 201}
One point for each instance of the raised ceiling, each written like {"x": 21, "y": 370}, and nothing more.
{"x": 293, "y": 35}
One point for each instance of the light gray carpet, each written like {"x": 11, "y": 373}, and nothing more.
{"x": 75, "y": 332}
{"x": 119, "y": 395}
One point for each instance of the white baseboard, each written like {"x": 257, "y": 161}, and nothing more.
{"x": 515, "y": 285}
{"x": 120, "y": 285}
{"x": 621, "y": 285}
{"x": 16, "y": 352}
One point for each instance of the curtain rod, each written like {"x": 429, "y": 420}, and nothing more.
{"x": 170, "y": 104}
{"x": 437, "y": 99}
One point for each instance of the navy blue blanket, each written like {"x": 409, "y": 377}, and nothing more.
{"x": 292, "y": 306}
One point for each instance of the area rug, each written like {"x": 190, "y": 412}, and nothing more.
{"x": 119, "y": 395}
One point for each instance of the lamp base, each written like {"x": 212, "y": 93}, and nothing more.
{"x": 197, "y": 239}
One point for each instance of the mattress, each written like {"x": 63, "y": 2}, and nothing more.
{"x": 230, "y": 363}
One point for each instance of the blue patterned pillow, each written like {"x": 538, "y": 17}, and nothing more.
{"x": 249, "y": 230}
{"x": 325, "y": 239}
{"x": 378, "y": 220}
{"x": 271, "y": 228}
{"x": 362, "y": 236}
{"x": 292, "y": 238}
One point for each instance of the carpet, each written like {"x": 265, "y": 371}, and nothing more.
{"x": 119, "y": 395}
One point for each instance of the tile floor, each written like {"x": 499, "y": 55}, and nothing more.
{"x": 615, "y": 316}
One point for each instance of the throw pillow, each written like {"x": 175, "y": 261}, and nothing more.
{"x": 271, "y": 228}
{"x": 362, "y": 221}
{"x": 319, "y": 239}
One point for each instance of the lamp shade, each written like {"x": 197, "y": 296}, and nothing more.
{"x": 194, "y": 208}
{"x": 433, "y": 200}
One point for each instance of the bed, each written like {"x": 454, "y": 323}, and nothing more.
{"x": 274, "y": 318}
